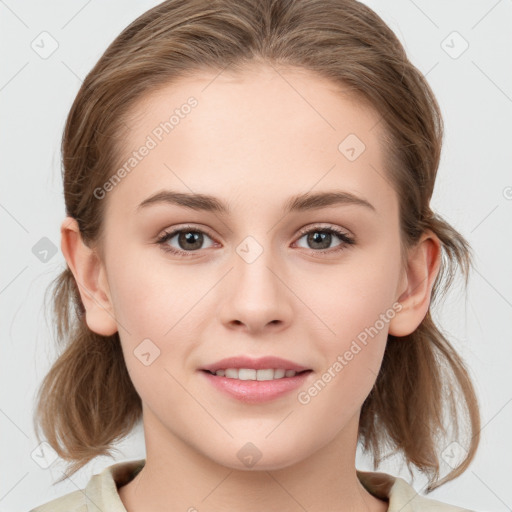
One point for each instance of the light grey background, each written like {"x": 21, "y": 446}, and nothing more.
{"x": 473, "y": 192}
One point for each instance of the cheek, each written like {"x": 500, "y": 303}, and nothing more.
{"x": 151, "y": 310}
{"x": 352, "y": 308}
{"x": 150, "y": 296}
{"x": 344, "y": 300}
{"x": 357, "y": 311}
{"x": 158, "y": 309}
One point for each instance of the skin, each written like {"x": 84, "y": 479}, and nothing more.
{"x": 255, "y": 139}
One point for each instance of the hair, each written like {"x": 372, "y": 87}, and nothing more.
{"x": 87, "y": 401}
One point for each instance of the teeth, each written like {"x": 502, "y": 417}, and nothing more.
{"x": 252, "y": 374}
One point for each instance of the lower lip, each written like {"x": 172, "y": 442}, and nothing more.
{"x": 256, "y": 391}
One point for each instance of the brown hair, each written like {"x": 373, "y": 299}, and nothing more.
{"x": 87, "y": 401}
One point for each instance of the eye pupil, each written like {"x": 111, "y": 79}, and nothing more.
{"x": 320, "y": 238}
{"x": 189, "y": 237}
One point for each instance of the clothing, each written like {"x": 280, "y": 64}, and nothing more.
{"x": 101, "y": 495}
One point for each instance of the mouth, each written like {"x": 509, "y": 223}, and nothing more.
{"x": 252, "y": 386}
{"x": 256, "y": 374}
{"x": 244, "y": 367}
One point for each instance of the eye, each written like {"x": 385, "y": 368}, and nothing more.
{"x": 188, "y": 238}
{"x": 320, "y": 238}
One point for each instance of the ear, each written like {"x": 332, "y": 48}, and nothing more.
{"x": 90, "y": 276}
{"x": 423, "y": 264}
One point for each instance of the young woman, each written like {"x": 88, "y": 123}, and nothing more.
{"x": 252, "y": 258}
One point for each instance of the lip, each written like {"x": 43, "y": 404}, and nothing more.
{"x": 254, "y": 391}
{"x": 262, "y": 363}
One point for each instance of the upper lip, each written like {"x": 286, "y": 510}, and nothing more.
{"x": 267, "y": 362}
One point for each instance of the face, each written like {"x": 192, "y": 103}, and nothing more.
{"x": 315, "y": 284}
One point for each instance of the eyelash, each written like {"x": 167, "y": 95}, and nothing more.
{"x": 166, "y": 236}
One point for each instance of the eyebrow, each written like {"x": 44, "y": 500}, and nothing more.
{"x": 297, "y": 203}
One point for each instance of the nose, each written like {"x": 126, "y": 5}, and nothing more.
{"x": 256, "y": 294}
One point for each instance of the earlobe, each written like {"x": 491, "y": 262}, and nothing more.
{"x": 423, "y": 266}
{"x": 90, "y": 277}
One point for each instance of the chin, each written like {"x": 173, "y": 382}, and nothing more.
{"x": 257, "y": 456}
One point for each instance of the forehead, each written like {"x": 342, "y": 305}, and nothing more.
{"x": 262, "y": 133}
